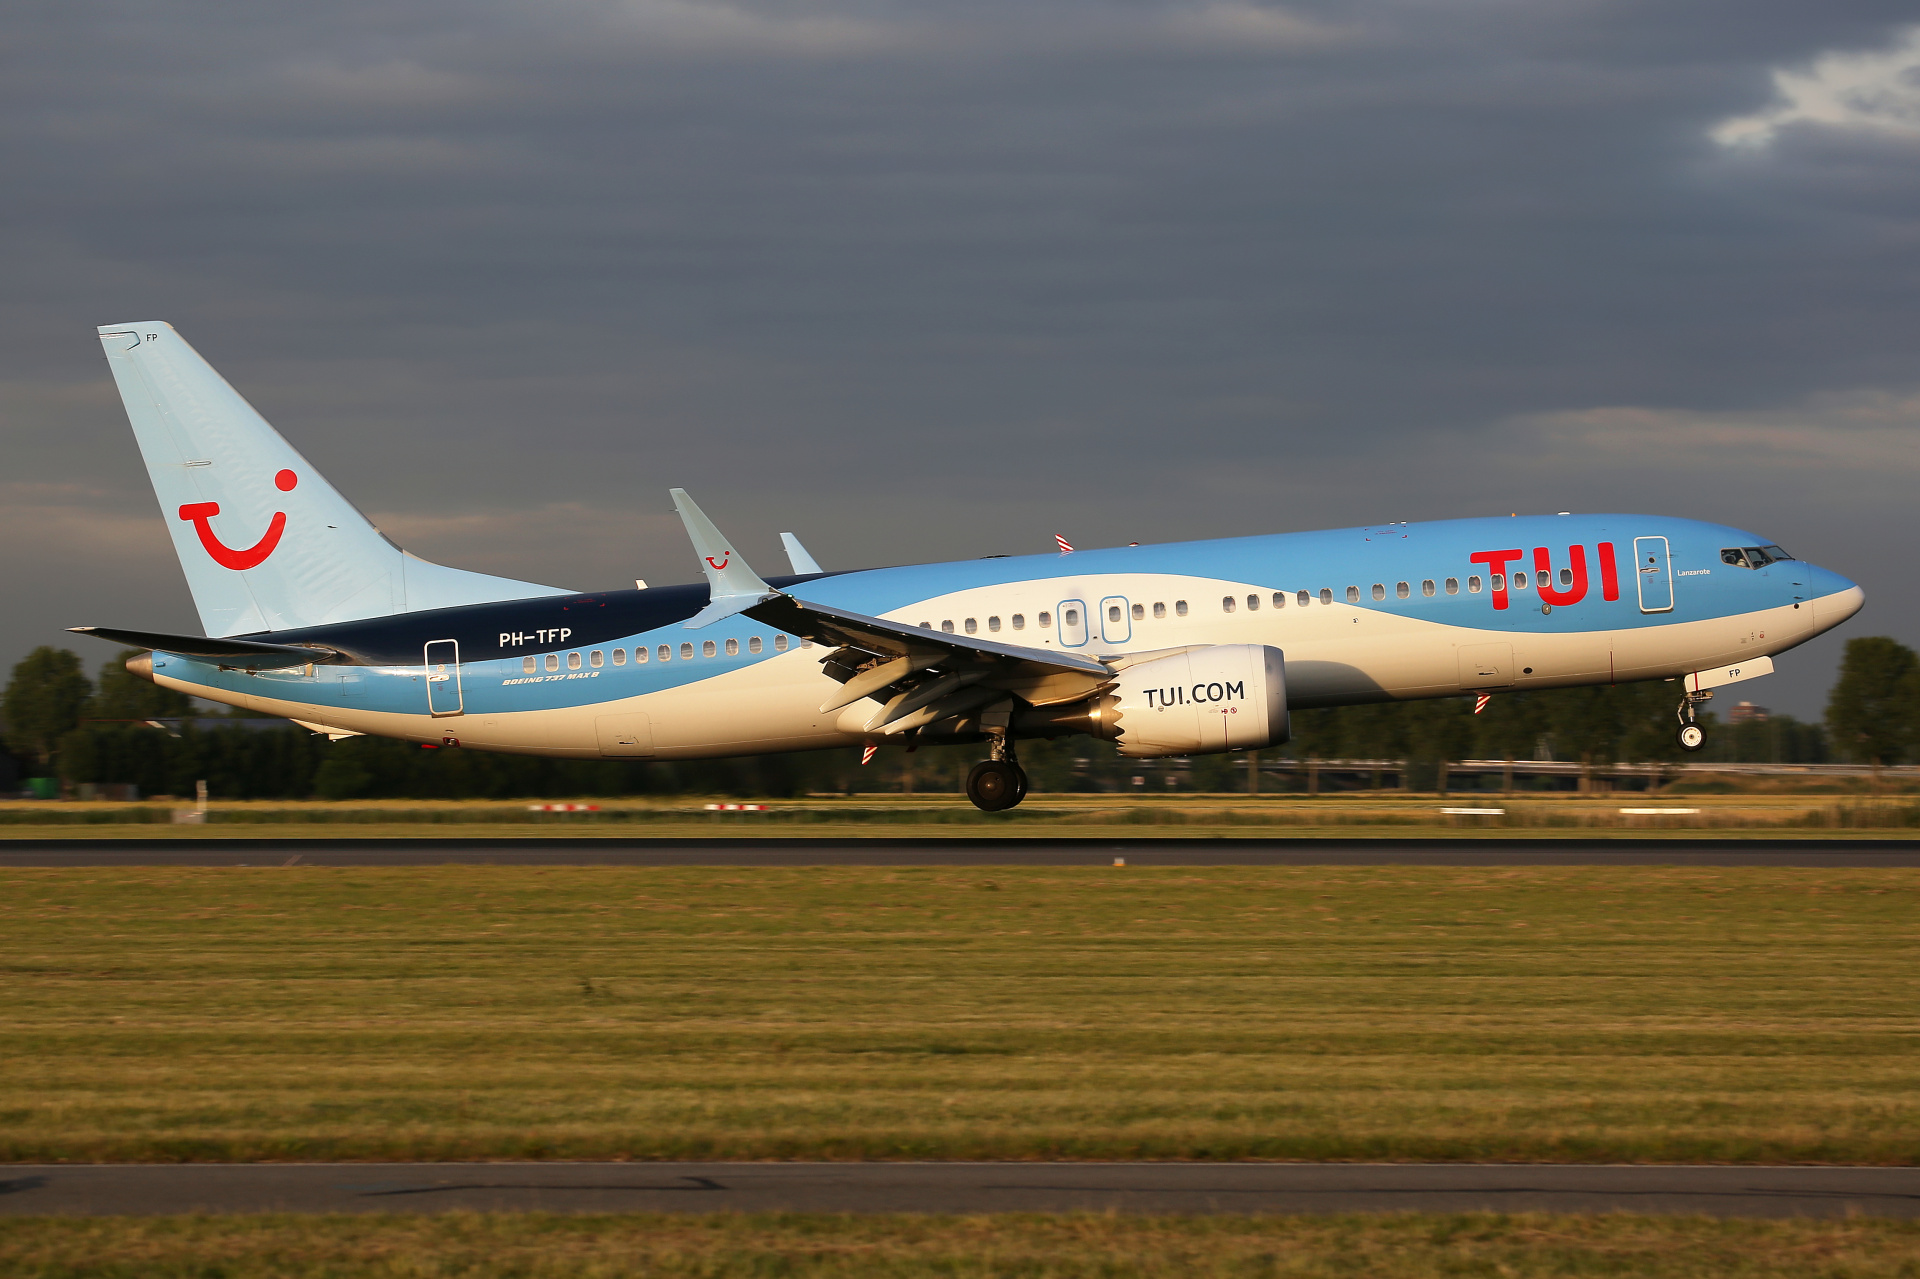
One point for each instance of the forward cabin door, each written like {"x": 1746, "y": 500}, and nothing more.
{"x": 1654, "y": 574}
{"x": 443, "y": 677}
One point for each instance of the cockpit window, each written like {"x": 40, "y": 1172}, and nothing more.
{"x": 1753, "y": 556}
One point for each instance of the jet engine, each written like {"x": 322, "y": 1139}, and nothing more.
{"x": 1225, "y": 697}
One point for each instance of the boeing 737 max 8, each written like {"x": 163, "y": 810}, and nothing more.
{"x": 1176, "y": 649}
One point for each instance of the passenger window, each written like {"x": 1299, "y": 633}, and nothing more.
{"x": 1326, "y": 595}
{"x": 706, "y": 648}
{"x": 1426, "y": 588}
{"x": 595, "y": 660}
{"x": 1566, "y": 577}
{"x": 1279, "y": 599}
{"x": 639, "y": 656}
{"x": 1180, "y": 608}
{"x": 753, "y": 644}
{"x": 1159, "y": 608}
{"x": 666, "y": 652}
{"x": 1253, "y": 603}
{"x": 620, "y": 656}
{"x": 993, "y": 623}
{"x": 1453, "y": 586}
{"x": 947, "y": 626}
{"x": 973, "y": 626}
{"x": 553, "y": 661}
{"x": 779, "y": 643}
{"x": 1379, "y": 591}
{"x": 1473, "y": 584}
{"x": 1226, "y": 604}
{"x": 1519, "y": 581}
{"x": 1546, "y": 578}
{"x": 1353, "y": 595}
{"x": 733, "y": 648}
{"x": 1019, "y": 621}
{"x": 526, "y": 666}
{"x": 686, "y": 652}
{"x": 1303, "y": 598}
{"x": 1046, "y": 620}
{"x": 1402, "y": 590}
{"x": 1139, "y": 612}
{"x": 573, "y": 661}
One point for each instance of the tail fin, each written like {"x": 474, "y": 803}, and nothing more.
{"x": 266, "y": 542}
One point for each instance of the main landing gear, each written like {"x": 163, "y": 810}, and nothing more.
{"x": 1691, "y": 736}
{"x": 997, "y": 783}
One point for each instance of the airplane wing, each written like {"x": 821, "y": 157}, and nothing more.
{"x": 920, "y": 676}
{"x": 249, "y": 655}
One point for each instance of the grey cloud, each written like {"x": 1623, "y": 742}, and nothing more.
{"x": 929, "y": 280}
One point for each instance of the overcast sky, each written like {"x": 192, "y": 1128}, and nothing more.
{"x": 937, "y": 280}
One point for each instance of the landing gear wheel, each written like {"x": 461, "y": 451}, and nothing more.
{"x": 1692, "y": 737}
{"x": 1023, "y": 783}
{"x": 995, "y": 785}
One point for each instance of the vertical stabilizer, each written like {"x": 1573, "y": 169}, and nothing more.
{"x": 267, "y": 544}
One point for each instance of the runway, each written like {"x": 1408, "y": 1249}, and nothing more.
{"x": 107, "y": 1190}
{"x": 839, "y": 851}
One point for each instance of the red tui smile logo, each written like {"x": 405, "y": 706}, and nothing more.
{"x": 202, "y": 513}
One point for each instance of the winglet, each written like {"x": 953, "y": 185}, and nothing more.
{"x": 731, "y": 584}
{"x": 798, "y": 557}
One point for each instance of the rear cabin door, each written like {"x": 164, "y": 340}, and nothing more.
{"x": 443, "y": 677}
{"x": 1653, "y": 574}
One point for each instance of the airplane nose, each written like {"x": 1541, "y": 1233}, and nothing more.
{"x": 1837, "y": 598}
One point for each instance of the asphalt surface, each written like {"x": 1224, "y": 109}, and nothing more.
{"x": 780, "y": 851}
{"x": 115, "y": 1190}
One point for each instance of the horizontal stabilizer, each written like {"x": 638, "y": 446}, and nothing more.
{"x": 245, "y": 654}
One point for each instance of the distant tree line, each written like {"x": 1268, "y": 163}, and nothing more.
{"x": 60, "y": 723}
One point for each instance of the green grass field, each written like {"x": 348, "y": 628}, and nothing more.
{"x": 1600, "y": 1014}
{"x": 539, "y": 1246}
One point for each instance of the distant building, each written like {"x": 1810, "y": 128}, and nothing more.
{"x": 1748, "y": 713}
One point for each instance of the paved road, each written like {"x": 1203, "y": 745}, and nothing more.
{"x": 781, "y": 851}
{"x": 96, "y": 1190}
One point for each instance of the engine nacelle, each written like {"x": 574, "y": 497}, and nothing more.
{"x": 1227, "y": 697}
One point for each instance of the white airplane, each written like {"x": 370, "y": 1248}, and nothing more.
{"x": 1184, "y": 648}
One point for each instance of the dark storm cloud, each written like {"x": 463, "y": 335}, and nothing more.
{"x": 933, "y": 280}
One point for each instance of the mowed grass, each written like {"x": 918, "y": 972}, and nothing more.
{"x": 1380, "y": 1013}
{"x": 535, "y": 1246}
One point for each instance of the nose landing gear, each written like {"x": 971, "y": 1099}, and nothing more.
{"x": 997, "y": 783}
{"x": 1691, "y": 736}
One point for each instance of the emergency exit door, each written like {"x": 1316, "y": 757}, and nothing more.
{"x": 443, "y": 677}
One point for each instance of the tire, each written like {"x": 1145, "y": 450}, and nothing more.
{"x": 1023, "y": 782}
{"x": 994, "y": 786}
{"x": 1692, "y": 737}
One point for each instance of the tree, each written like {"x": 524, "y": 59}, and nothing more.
{"x": 1871, "y": 713}
{"x": 123, "y": 695}
{"x": 43, "y": 702}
